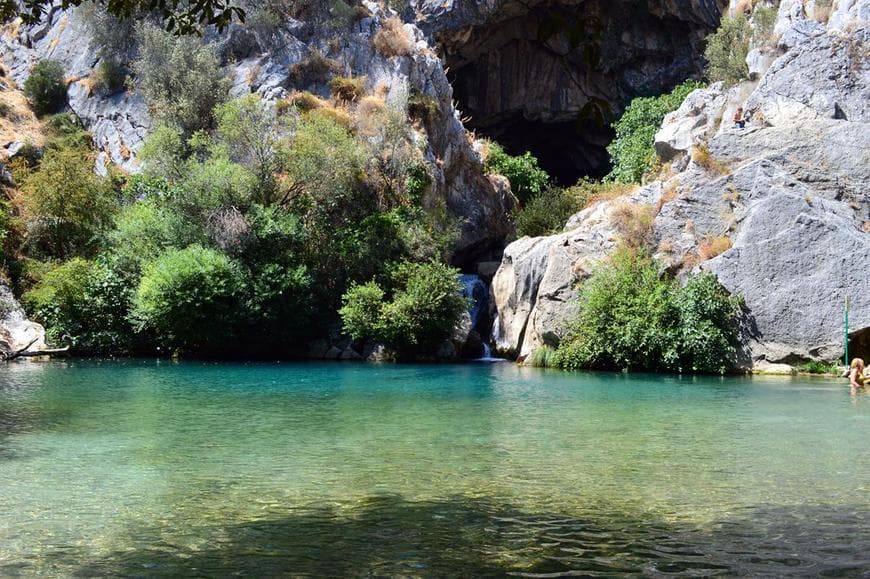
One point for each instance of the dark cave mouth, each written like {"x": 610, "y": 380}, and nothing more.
{"x": 553, "y": 79}
{"x": 563, "y": 149}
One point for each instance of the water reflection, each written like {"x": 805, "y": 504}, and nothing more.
{"x": 478, "y": 537}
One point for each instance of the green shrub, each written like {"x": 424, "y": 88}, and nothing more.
{"x": 763, "y": 21}
{"x": 67, "y": 208}
{"x": 191, "y": 299}
{"x": 250, "y": 132}
{"x": 112, "y": 75}
{"x": 424, "y": 307}
{"x": 85, "y": 305}
{"x": 817, "y": 367}
{"x": 423, "y": 107}
{"x": 146, "y": 229}
{"x": 324, "y": 169}
{"x": 361, "y": 312}
{"x": 547, "y": 212}
{"x": 180, "y": 78}
{"x": 348, "y": 89}
{"x": 632, "y": 152}
{"x": 727, "y": 49}
{"x": 45, "y": 87}
{"x": 632, "y": 318}
{"x": 65, "y": 131}
{"x": 707, "y": 315}
{"x": 527, "y": 179}
{"x": 543, "y": 357}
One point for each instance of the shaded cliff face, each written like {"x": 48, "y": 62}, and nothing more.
{"x": 785, "y": 198}
{"x": 551, "y": 76}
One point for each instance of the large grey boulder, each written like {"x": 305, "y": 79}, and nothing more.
{"x": 534, "y": 292}
{"x": 795, "y": 260}
{"x": 825, "y": 76}
{"x": 699, "y": 115}
{"x": 16, "y": 331}
{"x": 780, "y": 212}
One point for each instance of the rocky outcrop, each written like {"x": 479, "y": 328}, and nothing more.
{"x": 534, "y": 290}
{"x": 778, "y": 211}
{"x": 550, "y": 76}
{"x": 17, "y": 333}
{"x": 121, "y": 122}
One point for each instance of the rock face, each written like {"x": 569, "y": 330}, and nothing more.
{"x": 780, "y": 214}
{"x": 534, "y": 290}
{"x": 550, "y": 76}
{"x": 16, "y": 331}
{"x": 121, "y": 122}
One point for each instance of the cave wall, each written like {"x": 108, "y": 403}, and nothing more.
{"x": 552, "y": 76}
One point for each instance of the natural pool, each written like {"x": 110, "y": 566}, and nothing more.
{"x": 155, "y": 468}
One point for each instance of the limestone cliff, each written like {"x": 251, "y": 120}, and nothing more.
{"x": 786, "y": 199}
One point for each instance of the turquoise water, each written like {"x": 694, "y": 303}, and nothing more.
{"x": 149, "y": 468}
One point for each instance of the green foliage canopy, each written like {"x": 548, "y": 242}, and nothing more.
{"x": 527, "y": 179}
{"x": 180, "y": 16}
{"x": 45, "y": 87}
{"x": 425, "y": 306}
{"x": 727, "y": 49}
{"x": 632, "y": 152}
{"x": 631, "y": 317}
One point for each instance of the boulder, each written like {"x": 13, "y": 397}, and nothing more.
{"x": 698, "y": 116}
{"x": 825, "y": 76}
{"x": 16, "y": 331}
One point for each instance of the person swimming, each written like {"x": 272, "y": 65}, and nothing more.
{"x": 856, "y": 375}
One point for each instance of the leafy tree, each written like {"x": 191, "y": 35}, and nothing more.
{"x": 66, "y": 206}
{"x": 426, "y": 305}
{"x": 45, "y": 87}
{"x": 632, "y": 152}
{"x": 84, "y": 304}
{"x": 708, "y": 337}
{"x": 251, "y": 134}
{"x": 324, "y": 169}
{"x": 727, "y": 49}
{"x": 180, "y": 16}
{"x": 191, "y": 299}
{"x": 526, "y": 177}
{"x": 180, "y": 78}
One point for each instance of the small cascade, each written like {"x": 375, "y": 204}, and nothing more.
{"x": 475, "y": 290}
{"x": 477, "y": 293}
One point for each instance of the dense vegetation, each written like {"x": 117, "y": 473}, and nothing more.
{"x": 45, "y": 87}
{"x": 727, "y": 47}
{"x": 179, "y": 15}
{"x": 249, "y": 220}
{"x": 545, "y": 208}
{"x": 631, "y": 317}
{"x": 632, "y": 152}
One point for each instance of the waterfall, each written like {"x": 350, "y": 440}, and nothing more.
{"x": 476, "y": 291}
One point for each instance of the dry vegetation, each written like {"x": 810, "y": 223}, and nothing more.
{"x": 710, "y": 247}
{"x": 347, "y": 89}
{"x": 17, "y": 121}
{"x": 633, "y": 223}
{"x": 313, "y": 68}
{"x": 607, "y": 191}
{"x": 702, "y": 157}
{"x": 392, "y": 39}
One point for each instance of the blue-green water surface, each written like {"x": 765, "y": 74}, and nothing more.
{"x": 145, "y": 468}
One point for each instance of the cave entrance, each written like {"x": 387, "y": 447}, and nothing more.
{"x": 550, "y": 77}
{"x": 859, "y": 344}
